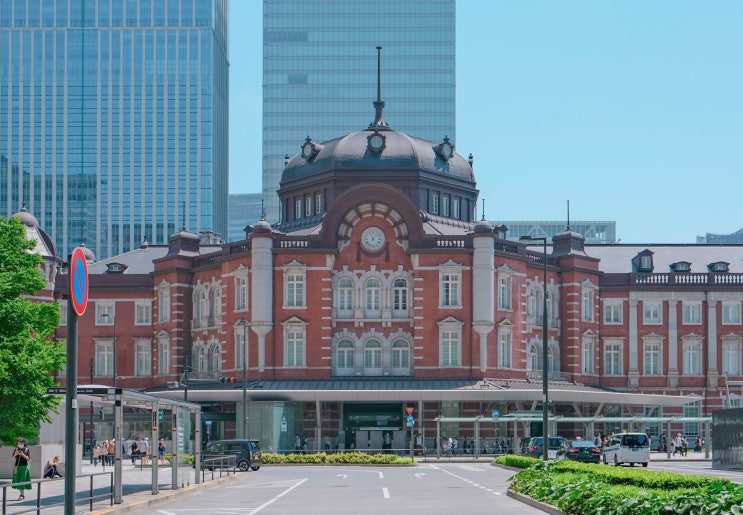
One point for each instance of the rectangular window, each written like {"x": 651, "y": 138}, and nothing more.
{"x": 435, "y": 203}
{"x": 651, "y": 313}
{"x": 445, "y": 205}
{"x": 651, "y": 359}
{"x": 731, "y": 313}
{"x": 295, "y": 347}
{"x": 612, "y": 313}
{"x": 298, "y": 208}
{"x": 308, "y": 206}
{"x": 104, "y": 358}
{"x": 294, "y": 289}
{"x": 163, "y": 352}
{"x": 143, "y": 314}
{"x": 449, "y": 348}
{"x": 318, "y": 203}
{"x": 104, "y": 314}
{"x": 587, "y": 306}
{"x": 163, "y": 300}
{"x": 143, "y": 351}
{"x": 587, "y": 356}
{"x": 731, "y": 358}
{"x": 241, "y": 293}
{"x": 457, "y": 208}
{"x": 450, "y": 294}
{"x": 504, "y": 291}
{"x": 691, "y": 313}
{"x": 241, "y": 335}
{"x": 692, "y": 358}
{"x": 504, "y": 349}
{"x": 612, "y": 358}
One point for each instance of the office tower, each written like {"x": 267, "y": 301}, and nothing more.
{"x": 242, "y": 209}
{"x": 114, "y": 118}
{"x": 320, "y": 67}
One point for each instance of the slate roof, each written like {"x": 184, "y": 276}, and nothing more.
{"x": 618, "y": 258}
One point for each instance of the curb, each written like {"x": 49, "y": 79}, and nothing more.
{"x": 547, "y": 508}
{"x": 160, "y": 497}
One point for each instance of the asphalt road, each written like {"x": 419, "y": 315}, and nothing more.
{"x": 434, "y": 488}
{"x": 700, "y": 468}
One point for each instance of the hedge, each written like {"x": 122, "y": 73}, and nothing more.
{"x": 341, "y": 457}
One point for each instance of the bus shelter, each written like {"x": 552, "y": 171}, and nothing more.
{"x": 182, "y": 413}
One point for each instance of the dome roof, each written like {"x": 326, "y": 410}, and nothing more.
{"x": 483, "y": 226}
{"x": 26, "y": 218}
{"x": 88, "y": 253}
{"x": 262, "y": 227}
{"x": 400, "y": 152}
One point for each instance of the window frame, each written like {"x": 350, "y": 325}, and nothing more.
{"x": 613, "y": 312}
{"x": 163, "y": 355}
{"x": 242, "y": 293}
{"x": 648, "y": 308}
{"x": 691, "y": 312}
{"x": 139, "y": 306}
{"x": 505, "y": 348}
{"x": 652, "y": 354}
{"x": 295, "y": 288}
{"x": 450, "y": 288}
{"x": 295, "y": 345}
{"x": 613, "y": 358}
{"x": 731, "y": 313}
{"x": 691, "y": 362}
{"x": 142, "y": 357}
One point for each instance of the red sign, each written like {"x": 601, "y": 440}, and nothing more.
{"x": 79, "y": 281}
{"x": 409, "y": 410}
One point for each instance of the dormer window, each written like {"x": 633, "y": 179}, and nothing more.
{"x": 719, "y": 267}
{"x": 643, "y": 262}
{"x": 116, "y": 268}
{"x": 681, "y": 266}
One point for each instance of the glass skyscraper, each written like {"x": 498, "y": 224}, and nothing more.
{"x": 114, "y": 118}
{"x": 320, "y": 73}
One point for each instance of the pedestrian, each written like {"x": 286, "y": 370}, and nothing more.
{"x": 134, "y": 453}
{"x": 297, "y": 443}
{"x": 161, "y": 451}
{"x": 103, "y": 454}
{"x": 144, "y": 449}
{"x": 684, "y": 446}
{"x": 111, "y": 452}
{"x": 698, "y": 444}
{"x": 50, "y": 470}
{"x": 96, "y": 452}
{"x": 662, "y": 446}
{"x": 21, "y": 473}
{"x": 678, "y": 443}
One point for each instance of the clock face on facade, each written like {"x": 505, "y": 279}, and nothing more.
{"x": 376, "y": 142}
{"x": 307, "y": 150}
{"x": 372, "y": 238}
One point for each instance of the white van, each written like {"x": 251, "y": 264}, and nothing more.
{"x": 627, "y": 448}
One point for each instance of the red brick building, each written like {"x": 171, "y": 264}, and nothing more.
{"x": 379, "y": 290}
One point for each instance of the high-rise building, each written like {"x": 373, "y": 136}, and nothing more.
{"x": 593, "y": 232}
{"x": 114, "y": 118}
{"x": 320, "y": 67}
{"x": 242, "y": 209}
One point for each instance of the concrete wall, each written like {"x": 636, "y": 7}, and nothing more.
{"x": 727, "y": 453}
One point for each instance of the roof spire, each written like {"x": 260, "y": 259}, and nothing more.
{"x": 568, "y": 215}
{"x": 379, "y": 103}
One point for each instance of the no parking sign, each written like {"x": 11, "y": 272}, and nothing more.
{"x": 79, "y": 281}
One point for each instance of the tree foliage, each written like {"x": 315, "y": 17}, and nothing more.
{"x": 28, "y": 351}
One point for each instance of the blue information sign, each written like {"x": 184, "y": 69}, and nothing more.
{"x": 496, "y": 413}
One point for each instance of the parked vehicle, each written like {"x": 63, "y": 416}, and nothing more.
{"x": 628, "y": 448}
{"x": 247, "y": 452}
{"x": 535, "y": 446}
{"x": 579, "y": 450}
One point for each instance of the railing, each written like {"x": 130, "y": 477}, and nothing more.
{"x": 38, "y": 506}
{"x": 686, "y": 279}
{"x": 208, "y": 259}
{"x": 227, "y": 463}
{"x": 553, "y": 375}
{"x": 203, "y": 323}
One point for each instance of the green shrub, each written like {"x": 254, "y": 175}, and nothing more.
{"x": 341, "y": 457}
{"x": 592, "y": 489}
{"x": 514, "y": 460}
{"x": 183, "y": 459}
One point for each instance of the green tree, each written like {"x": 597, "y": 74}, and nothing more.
{"x": 28, "y": 351}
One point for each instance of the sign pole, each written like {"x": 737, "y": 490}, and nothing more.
{"x": 77, "y": 301}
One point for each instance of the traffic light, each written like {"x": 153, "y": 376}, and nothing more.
{"x": 159, "y": 414}
{"x": 227, "y": 380}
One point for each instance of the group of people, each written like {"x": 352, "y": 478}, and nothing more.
{"x": 21, "y": 457}
{"x": 104, "y": 452}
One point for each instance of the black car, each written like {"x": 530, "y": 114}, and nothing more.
{"x": 579, "y": 450}
{"x": 534, "y": 448}
{"x": 247, "y": 453}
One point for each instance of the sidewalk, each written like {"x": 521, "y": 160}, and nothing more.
{"x": 136, "y": 488}
{"x": 690, "y": 456}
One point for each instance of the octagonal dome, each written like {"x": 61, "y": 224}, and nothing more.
{"x": 400, "y": 152}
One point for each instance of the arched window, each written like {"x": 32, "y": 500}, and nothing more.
{"x": 203, "y": 305}
{"x": 215, "y": 359}
{"x": 534, "y": 358}
{"x": 373, "y": 294}
{"x": 344, "y": 298}
{"x": 344, "y": 361}
{"x": 401, "y": 357}
{"x": 373, "y": 357}
{"x": 201, "y": 360}
{"x": 400, "y": 299}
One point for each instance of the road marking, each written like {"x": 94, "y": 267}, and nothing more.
{"x": 385, "y": 493}
{"x": 282, "y": 494}
{"x": 381, "y": 476}
{"x": 419, "y": 475}
{"x": 344, "y": 476}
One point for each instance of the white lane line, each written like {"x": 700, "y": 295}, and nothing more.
{"x": 385, "y": 492}
{"x": 282, "y": 494}
{"x": 381, "y": 476}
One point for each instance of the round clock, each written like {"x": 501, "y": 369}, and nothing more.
{"x": 372, "y": 238}
{"x": 307, "y": 150}
{"x": 376, "y": 142}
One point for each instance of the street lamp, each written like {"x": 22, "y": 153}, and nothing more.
{"x": 113, "y": 316}
{"x": 245, "y": 378}
{"x": 545, "y": 356}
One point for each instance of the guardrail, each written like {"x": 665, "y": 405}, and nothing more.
{"x": 91, "y": 497}
{"x": 227, "y": 463}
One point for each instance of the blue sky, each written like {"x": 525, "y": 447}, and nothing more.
{"x": 631, "y": 110}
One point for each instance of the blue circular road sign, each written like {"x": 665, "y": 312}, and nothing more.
{"x": 79, "y": 281}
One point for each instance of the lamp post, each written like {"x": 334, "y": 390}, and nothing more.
{"x": 545, "y": 352}
{"x": 245, "y": 378}
{"x": 92, "y": 427}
